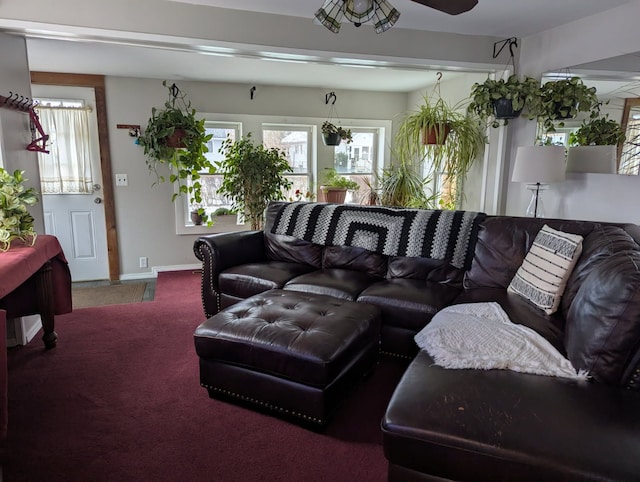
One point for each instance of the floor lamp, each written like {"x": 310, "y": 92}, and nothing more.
{"x": 537, "y": 166}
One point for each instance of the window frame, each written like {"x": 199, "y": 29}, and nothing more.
{"x": 321, "y": 156}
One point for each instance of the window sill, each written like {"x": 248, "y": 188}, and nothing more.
{"x": 222, "y": 224}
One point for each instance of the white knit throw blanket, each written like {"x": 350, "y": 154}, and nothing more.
{"x": 481, "y": 336}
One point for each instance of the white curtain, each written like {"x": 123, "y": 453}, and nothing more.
{"x": 67, "y": 167}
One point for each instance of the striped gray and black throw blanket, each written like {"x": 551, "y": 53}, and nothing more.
{"x": 394, "y": 232}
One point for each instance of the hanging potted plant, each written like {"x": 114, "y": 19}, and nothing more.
{"x": 174, "y": 137}
{"x": 15, "y": 220}
{"x": 252, "y": 176}
{"x": 504, "y": 99}
{"x": 600, "y": 131}
{"x": 563, "y": 99}
{"x": 332, "y": 135}
{"x": 594, "y": 146}
{"x": 335, "y": 187}
{"x": 456, "y": 148}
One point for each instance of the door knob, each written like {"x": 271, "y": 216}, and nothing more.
{"x": 97, "y": 187}
{"x": 98, "y": 200}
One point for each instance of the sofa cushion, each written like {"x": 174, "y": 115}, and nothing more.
{"x": 502, "y": 244}
{"x": 499, "y": 425}
{"x": 430, "y": 269}
{"x": 545, "y": 269}
{"x": 602, "y": 331}
{"x": 293, "y": 250}
{"x": 596, "y": 247}
{"x": 357, "y": 259}
{"x": 249, "y": 279}
{"x": 409, "y": 303}
{"x": 345, "y": 284}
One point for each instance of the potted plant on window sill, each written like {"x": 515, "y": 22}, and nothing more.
{"x": 174, "y": 137}
{"x": 335, "y": 186}
{"x": 332, "y": 135}
{"x": 504, "y": 99}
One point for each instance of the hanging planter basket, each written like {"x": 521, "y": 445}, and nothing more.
{"x": 332, "y": 139}
{"x": 436, "y": 134}
{"x": 563, "y": 112}
{"x": 503, "y": 109}
{"x": 176, "y": 140}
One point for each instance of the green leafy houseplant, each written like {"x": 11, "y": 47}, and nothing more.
{"x": 333, "y": 134}
{"x": 401, "y": 186}
{"x": 15, "y": 220}
{"x": 252, "y": 175}
{"x": 331, "y": 178}
{"x": 564, "y": 99}
{"x": 453, "y": 153}
{"x": 519, "y": 95}
{"x": 335, "y": 186}
{"x": 176, "y": 138}
{"x": 600, "y": 131}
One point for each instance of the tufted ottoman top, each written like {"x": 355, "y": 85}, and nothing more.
{"x": 305, "y": 337}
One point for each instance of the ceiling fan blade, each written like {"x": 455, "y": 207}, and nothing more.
{"x": 452, "y": 7}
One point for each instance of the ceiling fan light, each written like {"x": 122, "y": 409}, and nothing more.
{"x": 359, "y": 11}
{"x": 331, "y": 14}
{"x": 385, "y": 16}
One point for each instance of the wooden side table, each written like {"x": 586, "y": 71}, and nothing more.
{"x": 36, "y": 280}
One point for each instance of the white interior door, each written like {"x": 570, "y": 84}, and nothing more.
{"x": 78, "y": 220}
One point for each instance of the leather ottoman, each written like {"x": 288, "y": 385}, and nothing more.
{"x": 292, "y": 353}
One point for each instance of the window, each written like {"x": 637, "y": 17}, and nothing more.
{"x": 295, "y": 142}
{"x": 66, "y": 169}
{"x": 358, "y": 161}
{"x": 211, "y": 200}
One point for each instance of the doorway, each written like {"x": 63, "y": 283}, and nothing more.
{"x": 95, "y": 82}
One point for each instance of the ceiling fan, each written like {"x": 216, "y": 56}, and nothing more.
{"x": 380, "y": 12}
{"x": 452, "y": 7}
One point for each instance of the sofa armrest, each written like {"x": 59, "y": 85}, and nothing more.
{"x": 221, "y": 251}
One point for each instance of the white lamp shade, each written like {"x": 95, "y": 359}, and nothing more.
{"x": 598, "y": 159}
{"x": 539, "y": 164}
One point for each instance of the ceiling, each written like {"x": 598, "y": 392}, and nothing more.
{"x": 154, "y": 59}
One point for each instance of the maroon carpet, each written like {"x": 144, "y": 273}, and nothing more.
{"x": 119, "y": 399}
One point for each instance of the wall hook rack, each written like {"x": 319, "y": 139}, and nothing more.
{"x": 501, "y": 44}
{"x": 252, "y": 90}
{"x": 330, "y": 96}
{"x": 25, "y": 104}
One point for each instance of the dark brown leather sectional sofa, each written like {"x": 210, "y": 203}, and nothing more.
{"x": 475, "y": 424}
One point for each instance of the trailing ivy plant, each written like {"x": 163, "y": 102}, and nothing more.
{"x": 252, "y": 176}
{"x": 601, "y": 131}
{"x": 523, "y": 94}
{"x": 175, "y": 138}
{"x": 345, "y": 134}
{"x": 15, "y": 220}
{"x": 564, "y": 99}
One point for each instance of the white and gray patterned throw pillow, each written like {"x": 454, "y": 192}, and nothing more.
{"x": 545, "y": 270}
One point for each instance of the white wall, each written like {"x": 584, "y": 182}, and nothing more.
{"x": 14, "y": 125}
{"x": 583, "y": 196}
{"x": 145, "y": 214}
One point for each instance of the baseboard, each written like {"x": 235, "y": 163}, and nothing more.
{"x": 157, "y": 269}
{"x": 22, "y": 330}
